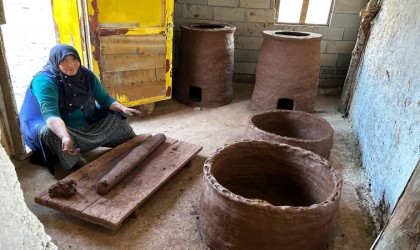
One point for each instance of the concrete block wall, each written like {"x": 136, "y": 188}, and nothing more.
{"x": 251, "y": 17}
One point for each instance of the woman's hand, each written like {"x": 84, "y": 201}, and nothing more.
{"x": 67, "y": 146}
{"x": 56, "y": 124}
{"x": 130, "y": 112}
{"x": 116, "y": 106}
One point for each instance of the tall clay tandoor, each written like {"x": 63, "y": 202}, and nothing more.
{"x": 205, "y": 65}
{"x": 287, "y": 71}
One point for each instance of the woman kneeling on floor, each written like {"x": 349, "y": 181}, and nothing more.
{"x": 67, "y": 112}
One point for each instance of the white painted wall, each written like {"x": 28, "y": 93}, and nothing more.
{"x": 386, "y": 105}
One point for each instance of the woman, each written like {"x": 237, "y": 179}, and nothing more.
{"x": 67, "y": 112}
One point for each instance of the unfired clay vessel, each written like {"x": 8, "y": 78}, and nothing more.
{"x": 287, "y": 72}
{"x": 267, "y": 195}
{"x": 296, "y": 128}
{"x": 205, "y": 65}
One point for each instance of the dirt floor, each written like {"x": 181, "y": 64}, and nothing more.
{"x": 169, "y": 219}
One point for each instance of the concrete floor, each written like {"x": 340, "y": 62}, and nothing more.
{"x": 169, "y": 219}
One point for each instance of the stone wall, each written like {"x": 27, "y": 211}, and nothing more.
{"x": 251, "y": 17}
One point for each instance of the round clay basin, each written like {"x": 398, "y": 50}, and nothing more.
{"x": 267, "y": 195}
{"x": 296, "y": 128}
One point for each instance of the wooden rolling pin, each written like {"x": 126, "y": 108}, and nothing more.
{"x": 128, "y": 163}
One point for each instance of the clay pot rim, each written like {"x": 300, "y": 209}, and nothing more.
{"x": 330, "y": 130}
{"x": 333, "y": 198}
{"x": 192, "y": 26}
{"x": 273, "y": 33}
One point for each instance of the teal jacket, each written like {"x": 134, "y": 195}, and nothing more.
{"x": 46, "y": 91}
{"x": 44, "y": 98}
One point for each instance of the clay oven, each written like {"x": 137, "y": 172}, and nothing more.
{"x": 287, "y": 72}
{"x": 205, "y": 65}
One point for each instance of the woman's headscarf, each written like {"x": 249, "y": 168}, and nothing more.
{"x": 75, "y": 88}
{"x": 57, "y": 54}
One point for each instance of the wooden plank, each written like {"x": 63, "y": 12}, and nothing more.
{"x": 110, "y": 202}
{"x": 85, "y": 196}
{"x": 304, "y": 11}
{"x": 127, "y": 62}
{"x": 143, "y": 44}
{"x": 112, "y": 209}
{"x": 133, "y": 77}
{"x": 2, "y": 16}
{"x": 146, "y": 179}
{"x": 92, "y": 168}
{"x": 160, "y": 74}
{"x": 402, "y": 230}
{"x": 129, "y": 163}
{"x": 111, "y": 217}
{"x": 86, "y": 175}
{"x": 138, "y": 92}
{"x": 133, "y": 39}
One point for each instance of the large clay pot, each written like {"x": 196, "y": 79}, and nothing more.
{"x": 266, "y": 195}
{"x": 296, "y": 128}
{"x": 205, "y": 65}
{"x": 287, "y": 72}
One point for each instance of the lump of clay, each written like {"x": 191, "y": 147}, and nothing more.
{"x": 63, "y": 188}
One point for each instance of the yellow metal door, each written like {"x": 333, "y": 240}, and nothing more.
{"x": 129, "y": 44}
{"x": 69, "y": 25}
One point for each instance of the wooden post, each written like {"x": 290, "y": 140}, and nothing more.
{"x": 304, "y": 11}
{"x": 10, "y": 126}
{"x": 368, "y": 15}
{"x": 2, "y": 17}
{"x": 403, "y": 228}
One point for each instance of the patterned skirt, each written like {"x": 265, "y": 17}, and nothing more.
{"x": 108, "y": 132}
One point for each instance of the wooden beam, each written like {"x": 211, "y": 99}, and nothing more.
{"x": 368, "y": 14}
{"x": 2, "y": 17}
{"x": 4, "y": 137}
{"x": 403, "y": 228}
{"x": 112, "y": 209}
{"x": 304, "y": 11}
{"x": 278, "y": 9}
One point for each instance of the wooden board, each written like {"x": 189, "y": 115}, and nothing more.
{"x": 111, "y": 209}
